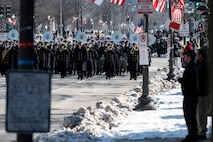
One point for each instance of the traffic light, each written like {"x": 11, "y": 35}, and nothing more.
{"x": 200, "y": 27}
{"x": 1, "y": 11}
{"x": 8, "y": 11}
{"x": 197, "y": 4}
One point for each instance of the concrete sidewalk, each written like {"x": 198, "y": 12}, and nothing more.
{"x": 151, "y": 140}
{"x": 159, "y": 140}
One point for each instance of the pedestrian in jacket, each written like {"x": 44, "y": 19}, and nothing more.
{"x": 190, "y": 87}
{"x": 203, "y": 100}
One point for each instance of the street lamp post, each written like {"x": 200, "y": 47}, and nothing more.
{"x": 80, "y": 8}
{"x": 111, "y": 28}
{"x": 92, "y": 23}
{"x": 61, "y": 25}
{"x": 171, "y": 55}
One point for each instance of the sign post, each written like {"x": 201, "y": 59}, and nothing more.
{"x": 145, "y": 7}
{"x": 144, "y": 61}
{"x": 28, "y": 92}
{"x": 145, "y": 66}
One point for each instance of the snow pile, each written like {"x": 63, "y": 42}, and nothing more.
{"x": 90, "y": 124}
{"x": 160, "y": 84}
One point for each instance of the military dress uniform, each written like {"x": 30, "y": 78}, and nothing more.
{"x": 133, "y": 62}
{"x": 41, "y": 56}
{"x": 100, "y": 61}
{"x": 118, "y": 54}
{"x": 6, "y": 61}
{"x": 109, "y": 62}
{"x": 90, "y": 63}
{"x": 95, "y": 58}
{"x": 63, "y": 56}
{"x": 72, "y": 64}
{"x": 1, "y": 51}
{"x": 80, "y": 56}
{"x": 14, "y": 56}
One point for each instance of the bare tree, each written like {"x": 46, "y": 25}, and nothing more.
{"x": 113, "y": 14}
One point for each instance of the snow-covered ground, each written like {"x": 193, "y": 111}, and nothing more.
{"x": 162, "y": 117}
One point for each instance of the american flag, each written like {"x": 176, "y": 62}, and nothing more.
{"x": 74, "y": 19}
{"x": 138, "y": 30}
{"x": 12, "y": 21}
{"x": 49, "y": 18}
{"x": 84, "y": 22}
{"x": 177, "y": 10}
{"x": 123, "y": 25}
{"x": 179, "y": 3}
{"x": 118, "y": 2}
{"x": 159, "y": 5}
{"x": 177, "y": 15}
{"x": 100, "y": 22}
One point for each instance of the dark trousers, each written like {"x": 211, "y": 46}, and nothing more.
{"x": 63, "y": 68}
{"x": 189, "y": 110}
{"x": 132, "y": 69}
{"x": 79, "y": 68}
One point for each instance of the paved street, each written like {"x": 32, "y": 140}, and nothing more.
{"x": 69, "y": 94}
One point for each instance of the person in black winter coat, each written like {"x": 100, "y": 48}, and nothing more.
{"x": 190, "y": 86}
{"x": 203, "y": 99}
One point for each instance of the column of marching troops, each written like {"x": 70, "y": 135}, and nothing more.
{"x": 83, "y": 59}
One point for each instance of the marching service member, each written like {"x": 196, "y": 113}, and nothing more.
{"x": 41, "y": 55}
{"x": 6, "y": 57}
{"x": 63, "y": 57}
{"x": 80, "y": 56}
{"x": 109, "y": 62}
{"x": 133, "y": 61}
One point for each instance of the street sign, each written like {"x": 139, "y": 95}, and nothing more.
{"x": 28, "y": 101}
{"x": 143, "y": 50}
{"x": 143, "y": 56}
{"x": 143, "y": 39}
{"x": 184, "y": 30}
{"x": 145, "y": 6}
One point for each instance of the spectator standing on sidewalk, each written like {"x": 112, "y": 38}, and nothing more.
{"x": 189, "y": 85}
{"x": 187, "y": 48}
{"x": 203, "y": 100}
{"x": 177, "y": 53}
